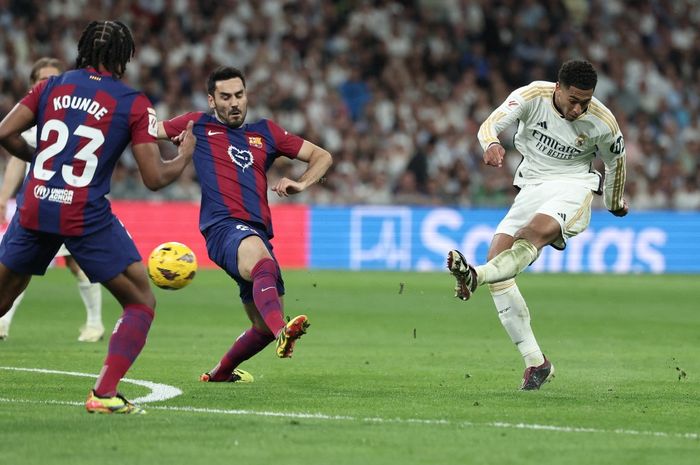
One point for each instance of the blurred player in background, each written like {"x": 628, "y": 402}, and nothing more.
{"x": 85, "y": 118}
{"x": 231, "y": 159}
{"x": 16, "y": 170}
{"x": 561, "y": 128}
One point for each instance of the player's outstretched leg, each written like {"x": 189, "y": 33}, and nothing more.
{"x": 237, "y": 376}
{"x": 265, "y": 275}
{"x": 464, "y": 273}
{"x": 287, "y": 338}
{"x": 113, "y": 404}
{"x": 249, "y": 343}
{"x": 535, "y": 377}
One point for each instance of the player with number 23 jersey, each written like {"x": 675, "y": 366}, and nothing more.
{"x": 70, "y": 175}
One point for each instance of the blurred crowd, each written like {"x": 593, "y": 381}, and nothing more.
{"x": 396, "y": 90}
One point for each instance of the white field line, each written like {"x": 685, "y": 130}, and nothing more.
{"x": 349, "y": 418}
{"x": 158, "y": 391}
{"x": 394, "y": 421}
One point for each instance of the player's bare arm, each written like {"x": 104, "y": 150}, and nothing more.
{"x": 17, "y": 121}
{"x": 494, "y": 154}
{"x": 319, "y": 161}
{"x": 14, "y": 174}
{"x": 158, "y": 173}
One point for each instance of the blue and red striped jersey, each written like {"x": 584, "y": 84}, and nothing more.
{"x": 85, "y": 120}
{"x": 232, "y": 165}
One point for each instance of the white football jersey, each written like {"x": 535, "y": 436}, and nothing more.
{"x": 556, "y": 149}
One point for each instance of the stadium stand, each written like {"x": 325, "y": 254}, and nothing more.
{"x": 396, "y": 90}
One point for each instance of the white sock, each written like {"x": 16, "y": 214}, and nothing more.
{"x": 92, "y": 298}
{"x": 515, "y": 318}
{"x": 507, "y": 264}
{"x": 6, "y": 319}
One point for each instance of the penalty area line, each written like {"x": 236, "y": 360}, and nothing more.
{"x": 389, "y": 421}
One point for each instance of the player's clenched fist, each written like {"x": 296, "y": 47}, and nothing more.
{"x": 494, "y": 154}
{"x": 622, "y": 211}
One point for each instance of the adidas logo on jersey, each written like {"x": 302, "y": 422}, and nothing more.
{"x": 542, "y": 124}
{"x": 562, "y": 215}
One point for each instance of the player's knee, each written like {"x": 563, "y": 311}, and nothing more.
{"x": 537, "y": 238}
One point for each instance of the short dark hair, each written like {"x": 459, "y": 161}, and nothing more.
{"x": 44, "y": 62}
{"x": 578, "y": 73}
{"x": 106, "y": 43}
{"x": 223, "y": 73}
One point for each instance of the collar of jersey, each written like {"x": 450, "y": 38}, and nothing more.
{"x": 556, "y": 110}
{"x": 92, "y": 70}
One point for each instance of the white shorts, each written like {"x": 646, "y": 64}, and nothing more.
{"x": 63, "y": 251}
{"x": 567, "y": 203}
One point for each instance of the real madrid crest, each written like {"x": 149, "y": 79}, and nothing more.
{"x": 580, "y": 140}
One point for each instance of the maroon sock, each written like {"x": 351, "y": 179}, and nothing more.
{"x": 265, "y": 295}
{"x": 248, "y": 344}
{"x": 125, "y": 345}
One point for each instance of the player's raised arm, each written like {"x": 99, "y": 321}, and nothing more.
{"x": 502, "y": 117}
{"x": 319, "y": 161}
{"x": 158, "y": 173}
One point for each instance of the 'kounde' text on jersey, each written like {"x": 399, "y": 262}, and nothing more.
{"x": 85, "y": 119}
{"x": 232, "y": 165}
{"x": 556, "y": 149}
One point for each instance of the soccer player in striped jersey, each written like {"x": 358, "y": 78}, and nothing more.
{"x": 15, "y": 172}
{"x": 561, "y": 129}
{"x": 231, "y": 159}
{"x": 85, "y": 118}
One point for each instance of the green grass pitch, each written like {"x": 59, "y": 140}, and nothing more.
{"x": 394, "y": 370}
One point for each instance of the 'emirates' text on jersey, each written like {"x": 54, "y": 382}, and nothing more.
{"x": 556, "y": 149}
{"x": 85, "y": 120}
{"x": 232, "y": 165}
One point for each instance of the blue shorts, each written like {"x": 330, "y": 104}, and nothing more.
{"x": 223, "y": 239}
{"x": 102, "y": 255}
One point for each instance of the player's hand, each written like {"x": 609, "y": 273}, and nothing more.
{"x": 621, "y": 211}
{"x": 186, "y": 141}
{"x": 493, "y": 156}
{"x": 177, "y": 140}
{"x": 286, "y": 187}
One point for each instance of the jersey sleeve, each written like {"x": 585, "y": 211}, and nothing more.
{"x": 142, "y": 121}
{"x": 175, "y": 126}
{"x": 612, "y": 151}
{"x": 512, "y": 109}
{"x": 31, "y": 100}
{"x": 287, "y": 144}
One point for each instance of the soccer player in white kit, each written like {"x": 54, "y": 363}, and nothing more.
{"x": 15, "y": 171}
{"x": 561, "y": 129}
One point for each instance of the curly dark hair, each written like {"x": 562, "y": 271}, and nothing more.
{"x": 106, "y": 43}
{"x": 578, "y": 73}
